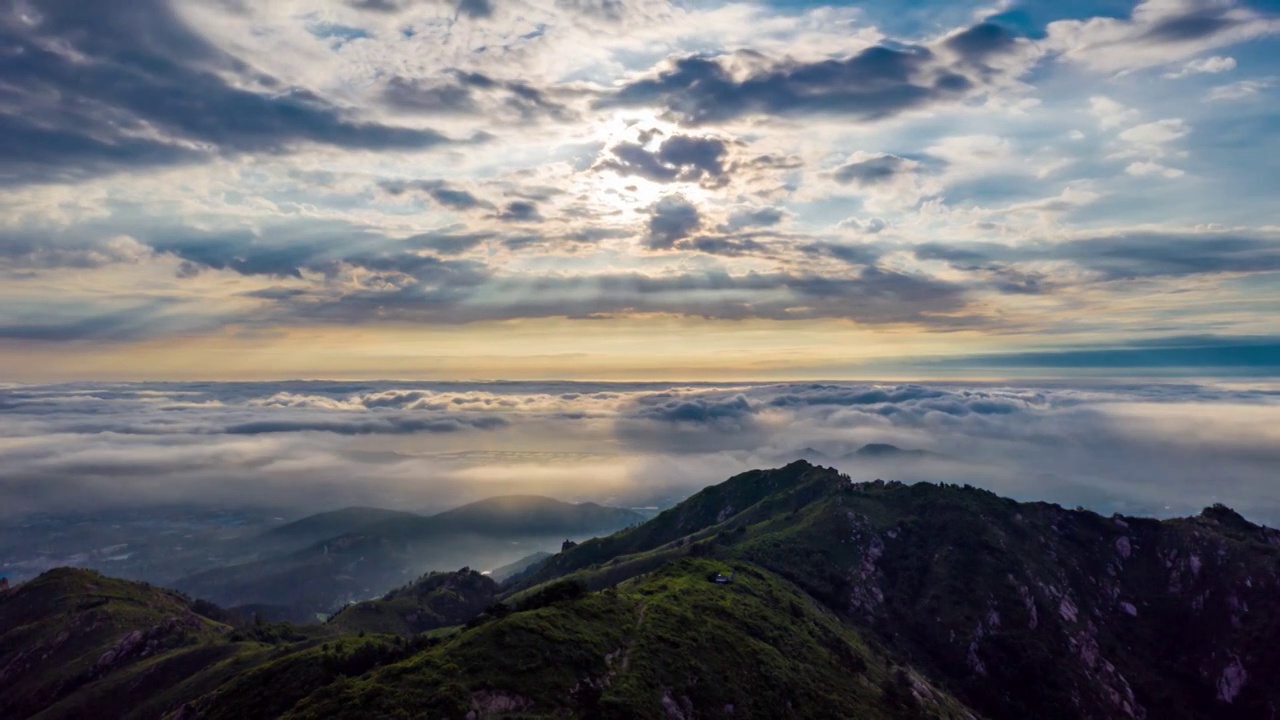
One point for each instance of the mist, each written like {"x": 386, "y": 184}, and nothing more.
{"x": 300, "y": 447}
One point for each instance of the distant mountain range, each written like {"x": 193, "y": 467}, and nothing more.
{"x": 780, "y": 593}
{"x": 870, "y": 451}
{"x": 319, "y": 563}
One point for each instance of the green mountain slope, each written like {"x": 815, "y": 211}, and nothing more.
{"x": 788, "y": 593}
{"x": 1026, "y": 608}
{"x": 670, "y": 644}
{"x": 434, "y": 601}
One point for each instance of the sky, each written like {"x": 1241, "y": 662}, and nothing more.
{"x": 638, "y": 190}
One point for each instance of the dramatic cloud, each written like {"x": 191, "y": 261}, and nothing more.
{"x": 874, "y": 83}
{"x": 671, "y": 218}
{"x": 1127, "y": 257}
{"x": 485, "y": 189}
{"x": 685, "y": 158}
{"x": 114, "y": 85}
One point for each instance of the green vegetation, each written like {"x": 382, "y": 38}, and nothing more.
{"x": 433, "y": 601}
{"x": 783, "y": 593}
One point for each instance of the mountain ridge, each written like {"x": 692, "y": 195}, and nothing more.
{"x": 796, "y": 592}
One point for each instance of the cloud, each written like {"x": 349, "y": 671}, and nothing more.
{"x": 1159, "y": 132}
{"x": 753, "y": 217}
{"x": 371, "y": 426}
{"x": 871, "y": 226}
{"x": 683, "y": 158}
{"x": 1158, "y": 32}
{"x": 1135, "y": 448}
{"x": 874, "y": 83}
{"x": 470, "y": 93}
{"x": 1126, "y": 256}
{"x": 1242, "y": 90}
{"x": 1210, "y": 65}
{"x": 520, "y": 211}
{"x": 117, "y": 85}
{"x": 670, "y": 219}
{"x": 866, "y": 170}
{"x": 1147, "y": 168}
{"x": 438, "y": 190}
{"x": 1110, "y": 113}
{"x": 476, "y": 9}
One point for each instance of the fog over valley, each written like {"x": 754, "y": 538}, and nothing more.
{"x": 284, "y": 449}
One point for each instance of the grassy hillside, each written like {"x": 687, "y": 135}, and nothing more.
{"x": 869, "y": 600}
{"x": 434, "y": 601}
{"x": 1026, "y": 609}
{"x": 671, "y": 642}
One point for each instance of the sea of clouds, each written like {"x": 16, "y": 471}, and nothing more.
{"x": 304, "y": 446}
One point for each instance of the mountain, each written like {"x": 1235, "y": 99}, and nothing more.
{"x": 870, "y": 451}
{"x": 395, "y": 547}
{"x": 321, "y": 526}
{"x": 884, "y": 451}
{"x": 1026, "y": 609}
{"x": 436, "y": 600}
{"x": 517, "y": 569}
{"x": 791, "y": 592}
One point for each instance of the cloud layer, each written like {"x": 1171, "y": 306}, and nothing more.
{"x": 1162, "y": 449}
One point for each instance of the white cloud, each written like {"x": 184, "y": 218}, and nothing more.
{"x": 1241, "y": 90}
{"x": 1159, "y": 132}
{"x": 1145, "y": 168}
{"x": 1111, "y": 114}
{"x": 1134, "y": 448}
{"x": 1158, "y": 32}
{"x": 1210, "y": 65}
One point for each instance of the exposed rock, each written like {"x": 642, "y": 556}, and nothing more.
{"x": 1232, "y": 681}
{"x": 1124, "y": 547}
{"x": 491, "y": 702}
{"x": 676, "y": 710}
{"x": 1068, "y": 610}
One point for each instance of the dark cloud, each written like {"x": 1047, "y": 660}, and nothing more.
{"x": 754, "y": 218}
{"x": 437, "y": 190}
{"x": 520, "y": 211}
{"x": 394, "y": 425}
{"x": 670, "y": 219}
{"x": 877, "y": 82}
{"x": 683, "y": 158}
{"x": 1121, "y": 257}
{"x": 850, "y": 254}
{"x": 1200, "y": 23}
{"x": 385, "y": 6}
{"x": 463, "y": 8}
{"x": 727, "y": 246}
{"x": 461, "y": 92}
{"x": 108, "y": 85}
{"x": 873, "y": 171}
{"x": 981, "y": 41}
{"x": 448, "y": 243}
